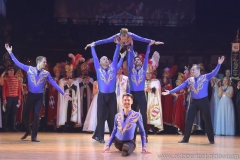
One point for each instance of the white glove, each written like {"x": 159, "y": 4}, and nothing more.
{"x": 123, "y": 54}
{"x": 165, "y": 93}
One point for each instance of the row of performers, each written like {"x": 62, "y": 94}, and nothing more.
{"x": 82, "y": 110}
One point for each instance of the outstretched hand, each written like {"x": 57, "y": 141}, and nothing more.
{"x": 9, "y": 49}
{"x": 152, "y": 42}
{"x": 66, "y": 95}
{"x": 106, "y": 149}
{"x": 144, "y": 150}
{"x": 158, "y": 42}
{"x": 89, "y": 45}
{"x": 220, "y": 60}
{"x": 165, "y": 93}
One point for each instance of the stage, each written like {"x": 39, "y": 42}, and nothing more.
{"x": 54, "y": 146}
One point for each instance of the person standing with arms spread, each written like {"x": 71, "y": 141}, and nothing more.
{"x": 198, "y": 85}
{"x": 37, "y": 78}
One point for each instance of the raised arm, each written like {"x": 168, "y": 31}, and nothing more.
{"x": 116, "y": 53}
{"x": 121, "y": 60}
{"x": 107, "y": 40}
{"x": 119, "y": 63}
{"x": 215, "y": 71}
{"x": 138, "y": 38}
{"x": 130, "y": 57}
{"x": 95, "y": 58}
{"x": 19, "y": 64}
{"x": 210, "y": 75}
{"x": 145, "y": 63}
{"x": 103, "y": 41}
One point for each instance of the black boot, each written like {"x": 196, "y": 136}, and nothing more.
{"x": 14, "y": 129}
{"x": 5, "y": 123}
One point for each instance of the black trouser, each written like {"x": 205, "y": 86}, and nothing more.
{"x": 204, "y": 106}
{"x": 119, "y": 144}
{"x": 140, "y": 102}
{"x": 106, "y": 110}
{"x": 11, "y": 107}
{"x": 237, "y": 118}
{"x": 35, "y": 101}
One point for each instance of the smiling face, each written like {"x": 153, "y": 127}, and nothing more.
{"x": 225, "y": 81}
{"x": 127, "y": 101}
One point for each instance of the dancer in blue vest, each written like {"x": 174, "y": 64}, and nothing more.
{"x": 136, "y": 76}
{"x": 107, "y": 102}
{"x": 198, "y": 85}
{"x": 125, "y": 124}
{"x": 124, "y": 37}
{"x": 37, "y": 78}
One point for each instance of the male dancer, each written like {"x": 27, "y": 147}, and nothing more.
{"x": 198, "y": 85}
{"x": 125, "y": 124}
{"x": 107, "y": 103}
{"x": 124, "y": 37}
{"x": 37, "y": 78}
{"x": 137, "y": 77}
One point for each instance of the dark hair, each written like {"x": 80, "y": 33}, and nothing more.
{"x": 39, "y": 59}
{"x": 10, "y": 67}
{"x": 197, "y": 66}
{"x": 127, "y": 95}
{"x": 137, "y": 57}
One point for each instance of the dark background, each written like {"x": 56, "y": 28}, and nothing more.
{"x": 35, "y": 31}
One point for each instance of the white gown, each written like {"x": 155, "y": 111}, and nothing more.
{"x": 90, "y": 123}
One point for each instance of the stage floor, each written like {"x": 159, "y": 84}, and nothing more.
{"x": 54, "y": 146}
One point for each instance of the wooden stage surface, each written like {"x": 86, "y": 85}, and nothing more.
{"x": 54, "y": 146}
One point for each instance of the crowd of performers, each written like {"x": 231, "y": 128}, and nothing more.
{"x": 74, "y": 100}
